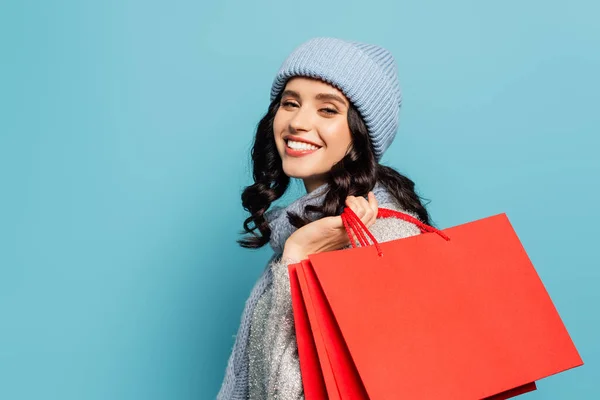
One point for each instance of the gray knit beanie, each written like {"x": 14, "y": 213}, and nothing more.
{"x": 365, "y": 73}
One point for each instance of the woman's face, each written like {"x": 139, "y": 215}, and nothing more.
{"x": 311, "y": 129}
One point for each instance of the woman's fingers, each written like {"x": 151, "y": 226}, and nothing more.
{"x": 374, "y": 206}
{"x": 370, "y": 215}
{"x": 365, "y": 209}
{"x": 355, "y": 205}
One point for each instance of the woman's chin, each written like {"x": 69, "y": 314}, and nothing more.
{"x": 300, "y": 172}
{"x": 296, "y": 175}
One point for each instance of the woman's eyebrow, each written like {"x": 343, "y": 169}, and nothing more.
{"x": 291, "y": 93}
{"x": 320, "y": 96}
{"x": 331, "y": 96}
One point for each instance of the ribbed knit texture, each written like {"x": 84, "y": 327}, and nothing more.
{"x": 264, "y": 362}
{"x": 365, "y": 73}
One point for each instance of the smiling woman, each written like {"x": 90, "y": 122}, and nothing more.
{"x": 333, "y": 112}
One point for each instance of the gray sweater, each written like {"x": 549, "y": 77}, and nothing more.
{"x": 264, "y": 361}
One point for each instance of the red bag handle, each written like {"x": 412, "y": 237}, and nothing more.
{"x": 353, "y": 224}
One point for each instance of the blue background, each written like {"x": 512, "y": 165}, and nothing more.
{"x": 125, "y": 128}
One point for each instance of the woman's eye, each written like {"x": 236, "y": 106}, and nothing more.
{"x": 289, "y": 104}
{"x": 329, "y": 111}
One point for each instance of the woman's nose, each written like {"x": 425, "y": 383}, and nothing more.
{"x": 300, "y": 121}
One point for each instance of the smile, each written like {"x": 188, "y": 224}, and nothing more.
{"x": 299, "y": 149}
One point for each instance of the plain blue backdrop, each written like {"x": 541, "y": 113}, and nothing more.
{"x": 125, "y": 129}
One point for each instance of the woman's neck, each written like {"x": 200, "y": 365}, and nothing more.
{"x": 313, "y": 183}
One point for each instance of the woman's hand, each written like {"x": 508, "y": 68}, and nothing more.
{"x": 328, "y": 233}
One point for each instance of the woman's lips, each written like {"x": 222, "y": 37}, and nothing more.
{"x": 295, "y": 152}
{"x": 298, "y": 153}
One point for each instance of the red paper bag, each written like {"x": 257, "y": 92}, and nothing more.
{"x": 427, "y": 318}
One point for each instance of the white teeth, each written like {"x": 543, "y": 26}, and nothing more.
{"x": 301, "y": 145}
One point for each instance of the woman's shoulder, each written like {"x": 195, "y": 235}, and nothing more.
{"x": 386, "y": 229}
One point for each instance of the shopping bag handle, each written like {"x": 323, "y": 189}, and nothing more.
{"x": 353, "y": 224}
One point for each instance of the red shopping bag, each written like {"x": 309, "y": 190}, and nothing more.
{"x": 453, "y": 314}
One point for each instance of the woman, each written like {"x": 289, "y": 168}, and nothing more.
{"x": 334, "y": 111}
